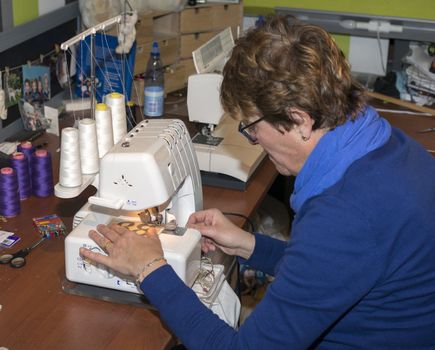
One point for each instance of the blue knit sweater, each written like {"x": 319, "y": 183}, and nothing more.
{"x": 357, "y": 272}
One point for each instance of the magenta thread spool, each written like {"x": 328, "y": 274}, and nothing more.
{"x": 42, "y": 174}
{"x": 9, "y": 193}
{"x": 20, "y": 163}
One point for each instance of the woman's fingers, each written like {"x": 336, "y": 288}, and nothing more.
{"x": 94, "y": 256}
{"x": 119, "y": 229}
{"x": 98, "y": 238}
{"x": 109, "y": 232}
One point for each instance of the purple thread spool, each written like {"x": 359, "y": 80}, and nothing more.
{"x": 42, "y": 174}
{"x": 9, "y": 194}
{"x": 28, "y": 150}
{"x": 20, "y": 163}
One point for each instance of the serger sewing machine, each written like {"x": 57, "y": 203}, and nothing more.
{"x": 148, "y": 179}
{"x": 220, "y": 148}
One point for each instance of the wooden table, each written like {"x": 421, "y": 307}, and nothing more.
{"x": 410, "y": 122}
{"x": 37, "y": 314}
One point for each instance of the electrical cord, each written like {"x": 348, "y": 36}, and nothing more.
{"x": 378, "y": 36}
{"x": 248, "y": 220}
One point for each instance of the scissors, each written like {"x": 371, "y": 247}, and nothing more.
{"x": 17, "y": 259}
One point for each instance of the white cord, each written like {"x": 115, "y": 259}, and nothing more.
{"x": 380, "y": 50}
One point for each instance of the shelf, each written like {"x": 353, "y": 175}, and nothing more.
{"x": 19, "y": 34}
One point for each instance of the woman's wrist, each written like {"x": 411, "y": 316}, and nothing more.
{"x": 246, "y": 251}
{"x": 149, "y": 267}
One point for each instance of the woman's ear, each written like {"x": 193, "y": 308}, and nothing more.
{"x": 303, "y": 122}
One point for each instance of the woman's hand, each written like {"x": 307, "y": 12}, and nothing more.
{"x": 128, "y": 252}
{"x": 218, "y": 231}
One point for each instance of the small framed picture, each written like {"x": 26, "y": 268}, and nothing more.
{"x": 12, "y": 87}
{"x": 33, "y": 116}
{"x": 36, "y": 83}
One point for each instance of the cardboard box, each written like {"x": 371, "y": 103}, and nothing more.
{"x": 169, "y": 51}
{"x": 167, "y": 23}
{"x": 190, "y": 67}
{"x": 190, "y": 42}
{"x": 201, "y": 18}
{"x": 175, "y": 77}
{"x": 210, "y": 17}
{"x": 144, "y": 27}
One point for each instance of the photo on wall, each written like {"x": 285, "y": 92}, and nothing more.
{"x": 12, "y": 87}
{"x": 36, "y": 91}
{"x": 36, "y": 83}
{"x": 33, "y": 116}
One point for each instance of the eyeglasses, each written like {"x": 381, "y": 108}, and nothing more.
{"x": 246, "y": 129}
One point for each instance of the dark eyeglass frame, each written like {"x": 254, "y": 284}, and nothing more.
{"x": 243, "y": 129}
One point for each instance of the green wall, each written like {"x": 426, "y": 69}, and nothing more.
{"x": 24, "y": 11}
{"x": 424, "y": 9}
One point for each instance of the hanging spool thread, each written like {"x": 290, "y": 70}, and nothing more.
{"x": 42, "y": 174}
{"x": 103, "y": 121}
{"x": 88, "y": 146}
{"x": 116, "y": 102}
{"x": 20, "y": 163}
{"x": 131, "y": 119}
{"x": 70, "y": 172}
{"x": 9, "y": 193}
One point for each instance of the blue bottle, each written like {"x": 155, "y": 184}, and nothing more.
{"x": 154, "y": 84}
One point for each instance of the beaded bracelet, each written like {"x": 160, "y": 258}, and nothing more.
{"x": 151, "y": 263}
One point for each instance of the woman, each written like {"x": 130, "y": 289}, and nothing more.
{"x": 359, "y": 268}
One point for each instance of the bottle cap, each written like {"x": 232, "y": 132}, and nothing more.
{"x": 155, "y": 49}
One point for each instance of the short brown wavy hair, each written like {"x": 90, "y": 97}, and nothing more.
{"x": 285, "y": 63}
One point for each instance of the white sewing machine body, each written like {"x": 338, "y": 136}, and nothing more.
{"x": 153, "y": 166}
{"x": 224, "y": 150}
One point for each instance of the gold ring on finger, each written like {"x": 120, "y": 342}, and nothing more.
{"x": 107, "y": 245}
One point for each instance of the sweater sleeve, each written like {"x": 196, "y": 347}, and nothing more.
{"x": 267, "y": 253}
{"x": 184, "y": 313}
{"x": 327, "y": 267}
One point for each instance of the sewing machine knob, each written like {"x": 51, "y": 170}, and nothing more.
{"x": 125, "y": 144}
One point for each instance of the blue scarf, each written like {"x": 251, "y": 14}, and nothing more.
{"x": 336, "y": 151}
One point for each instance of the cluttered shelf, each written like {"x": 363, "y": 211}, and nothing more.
{"x": 416, "y": 121}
